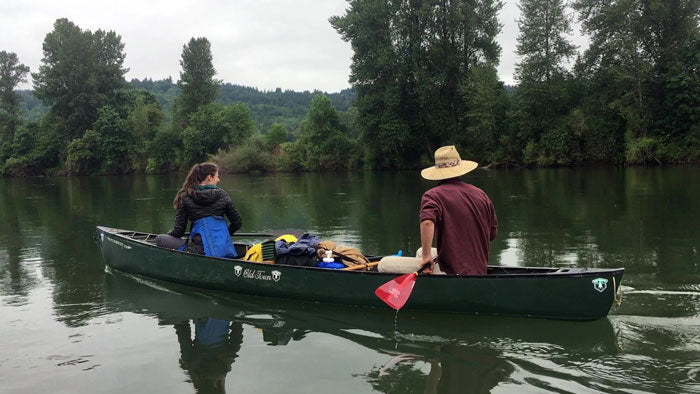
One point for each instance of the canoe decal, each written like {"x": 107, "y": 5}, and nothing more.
{"x": 114, "y": 241}
{"x": 257, "y": 274}
{"x": 600, "y": 284}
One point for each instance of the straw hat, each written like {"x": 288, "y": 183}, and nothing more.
{"x": 448, "y": 164}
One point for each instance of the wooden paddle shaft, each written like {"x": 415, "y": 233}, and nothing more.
{"x": 360, "y": 266}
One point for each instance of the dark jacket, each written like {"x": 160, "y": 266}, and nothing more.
{"x": 208, "y": 202}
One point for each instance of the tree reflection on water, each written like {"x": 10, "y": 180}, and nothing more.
{"x": 424, "y": 352}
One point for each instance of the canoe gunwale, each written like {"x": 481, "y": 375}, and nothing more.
{"x": 530, "y": 272}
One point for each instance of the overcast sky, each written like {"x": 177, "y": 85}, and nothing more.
{"x": 260, "y": 43}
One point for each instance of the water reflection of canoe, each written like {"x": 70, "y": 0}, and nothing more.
{"x": 460, "y": 351}
{"x": 283, "y": 319}
{"x": 568, "y": 293}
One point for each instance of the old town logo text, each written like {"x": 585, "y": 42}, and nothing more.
{"x": 257, "y": 274}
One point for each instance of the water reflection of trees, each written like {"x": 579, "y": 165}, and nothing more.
{"x": 603, "y": 217}
{"x": 452, "y": 368}
{"x": 56, "y": 218}
{"x": 638, "y": 218}
{"x": 438, "y": 353}
{"x": 424, "y": 352}
{"x": 15, "y": 278}
{"x": 641, "y": 219}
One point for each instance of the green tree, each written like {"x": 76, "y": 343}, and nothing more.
{"x": 25, "y": 139}
{"x": 163, "y": 151}
{"x": 215, "y": 127}
{"x": 642, "y": 72}
{"x": 12, "y": 72}
{"x": 276, "y": 136}
{"x": 80, "y": 71}
{"x": 323, "y": 143}
{"x": 197, "y": 82}
{"x": 84, "y": 154}
{"x": 35, "y": 148}
{"x": 542, "y": 43}
{"x": 410, "y": 57}
{"x": 543, "y": 96}
{"x": 487, "y": 103}
{"x": 115, "y": 140}
{"x": 144, "y": 122}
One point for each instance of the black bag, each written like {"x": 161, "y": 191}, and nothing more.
{"x": 305, "y": 260}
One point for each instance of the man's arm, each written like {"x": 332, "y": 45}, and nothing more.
{"x": 427, "y": 229}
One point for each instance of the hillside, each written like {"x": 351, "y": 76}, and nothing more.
{"x": 267, "y": 107}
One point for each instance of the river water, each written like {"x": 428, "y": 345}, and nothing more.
{"x": 69, "y": 325}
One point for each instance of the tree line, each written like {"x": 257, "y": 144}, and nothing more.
{"x": 285, "y": 107}
{"x": 89, "y": 120}
{"x": 423, "y": 75}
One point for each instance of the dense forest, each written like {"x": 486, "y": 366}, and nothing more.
{"x": 287, "y": 108}
{"x": 423, "y": 75}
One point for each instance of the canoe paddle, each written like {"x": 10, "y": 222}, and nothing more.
{"x": 396, "y": 291}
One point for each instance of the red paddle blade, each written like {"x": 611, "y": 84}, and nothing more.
{"x": 396, "y": 292}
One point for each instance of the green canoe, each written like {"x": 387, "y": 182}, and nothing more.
{"x": 556, "y": 293}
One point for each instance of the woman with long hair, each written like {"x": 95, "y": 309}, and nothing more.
{"x": 199, "y": 201}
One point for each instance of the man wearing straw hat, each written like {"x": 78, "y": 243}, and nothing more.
{"x": 459, "y": 215}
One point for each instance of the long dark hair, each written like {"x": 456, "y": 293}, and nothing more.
{"x": 198, "y": 173}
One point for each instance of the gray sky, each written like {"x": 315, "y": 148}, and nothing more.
{"x": 260, "y": 43}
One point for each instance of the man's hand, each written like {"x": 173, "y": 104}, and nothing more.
{"x": 427, "y": 228}
{"x": 430, "y": 262}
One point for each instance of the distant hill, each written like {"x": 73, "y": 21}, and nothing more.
{"x": 267, "y": 107}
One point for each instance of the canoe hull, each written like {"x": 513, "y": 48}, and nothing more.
{"x": 572, "y": 295}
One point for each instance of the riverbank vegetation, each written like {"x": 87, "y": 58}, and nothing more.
{"x": 423, "y": 75}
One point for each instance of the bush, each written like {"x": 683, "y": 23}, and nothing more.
{"x": 83, "y": 154}
{"x": 215, "y": 127}
{"x": 641, "y": 150}
{"x": 28, "y": 165}
{"x": 292, "y": 158}
{"x": 163, "y": 151}
{"x": 555, "y": 143}
{"x": 35, "y": 151}
{"x": 116, "y": 143}
{"x": 530, "y": 153}
{"x": 276, "y": 136}
{"x": 25, "y": 140}
{"x": 337, "y": 152}
{"x": 251, "y": 156}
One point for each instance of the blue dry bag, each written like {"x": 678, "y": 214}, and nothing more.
{"x": 332, "y": 265}
{"x": 215, "y": 237}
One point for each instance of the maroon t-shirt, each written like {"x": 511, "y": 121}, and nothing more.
{"x": 465, "y": 223}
